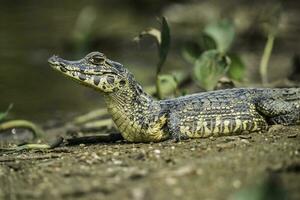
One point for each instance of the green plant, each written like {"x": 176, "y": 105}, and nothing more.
{"x": 222, "y": 32}
{"x": 164, "y": 82}
{"x": 210, "y": 67}
{"x": 37, "y": 132}
{"x": 212, "y": 47}
{"x": 271, "y": 23}
{"x": 210, "y": 56}
{"x": 4, "y": 114}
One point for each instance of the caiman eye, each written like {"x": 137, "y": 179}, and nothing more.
{"x": 97, "y": 59}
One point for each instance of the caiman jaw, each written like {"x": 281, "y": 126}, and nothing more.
{"x": 54, "y": 63}
{"x": 94, "y": 71}
{"x": 69, "y": 69}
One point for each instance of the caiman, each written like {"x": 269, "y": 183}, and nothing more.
{"x": 141, "y": 118}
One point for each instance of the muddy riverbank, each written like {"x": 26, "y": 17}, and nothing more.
{"x": 236, "y": 167}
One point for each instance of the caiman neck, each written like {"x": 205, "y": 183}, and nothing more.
{"x": 137, "y": 115}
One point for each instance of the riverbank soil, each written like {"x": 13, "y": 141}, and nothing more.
{"x": 256, "y": 166}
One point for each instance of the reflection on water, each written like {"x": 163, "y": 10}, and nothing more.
{"x": 33, "y": 31}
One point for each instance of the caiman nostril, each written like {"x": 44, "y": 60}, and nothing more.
{"x": 53, "y": 60}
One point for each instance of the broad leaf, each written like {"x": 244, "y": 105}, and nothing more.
{"x": 163, "y": 38}
{"x": 223, "y": 34}
{"x": 191, "y": 51}
{"x": 207, "y": 42}
{"x": 210, "y": 67}
{"x": 164, "y": 45}
{"x": 237, "y": 68}
{"x": 167, "y": 85}
{"x": 153, "y": 32}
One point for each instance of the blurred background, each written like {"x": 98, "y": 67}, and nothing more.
{"x": 31, "y": 31}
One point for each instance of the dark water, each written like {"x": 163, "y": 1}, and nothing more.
{"x": 32, "y": 31}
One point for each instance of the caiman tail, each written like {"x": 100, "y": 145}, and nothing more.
{"x": 280, "y": 106}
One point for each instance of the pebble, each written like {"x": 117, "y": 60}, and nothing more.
{"x": 95, "y": 156}
{"x": 199, "y": 171}
{"x": 171, "y": 181}
{"x": 139, "y": 156}
{"x": 212, "y": 138}
{"x": 138, "y": 174}
{"x": 225, "y": 146}
{"x": 178, "y": 192}
{"x": 116, "y": 153}
{"x": 185, "y": 170}
{"x": 117, "y": 162}
{"x": 85, "y": 153}
{"x": 230, "y": 139}
{"x": 236, "y": 184}
{"x": 294, "y": 135}
{"x": 245, "y": 141}
{"x": 82, "y": 145}
{"x": 157, "y": 151}
{"x": 138, "y": 193}
{"x": 170, "y": 161}
{"x": 245, "y": 136}
{"x": 134, "y": 149}
{"x": 275, "y": 167}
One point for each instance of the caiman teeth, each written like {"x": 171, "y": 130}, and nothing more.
{"x": 63, "y": 69}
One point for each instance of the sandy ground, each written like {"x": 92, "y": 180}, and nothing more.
{"x": 255, "y": 166}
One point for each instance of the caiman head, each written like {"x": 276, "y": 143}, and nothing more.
{"x": 94, "y": 70}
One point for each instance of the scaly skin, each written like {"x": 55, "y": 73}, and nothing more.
{"x": 140, "y": 118}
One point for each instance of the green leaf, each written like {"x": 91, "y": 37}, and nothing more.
{"x": 164, "y": 45}
{"x": 153, "y": 32}
{"x": 210, "y": 67}
{"x": 163, "y": 38}
{"x": 207, "y": 42}
{"x": 223, "y": 34}
{"x": 191, "y": 51}
{"x": 4, "y": 114}
{"x": 237, "y": 68}
{"x": 167, "y": 85}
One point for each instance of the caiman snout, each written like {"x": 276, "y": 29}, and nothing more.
{"x": 53, "y": 60}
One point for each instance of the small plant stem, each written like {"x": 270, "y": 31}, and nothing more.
{"x": 158, "y": 92}
{"x": 22, "y": 124}
{"x": 99, "y": 113}
{"x": 265, "y": 58}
